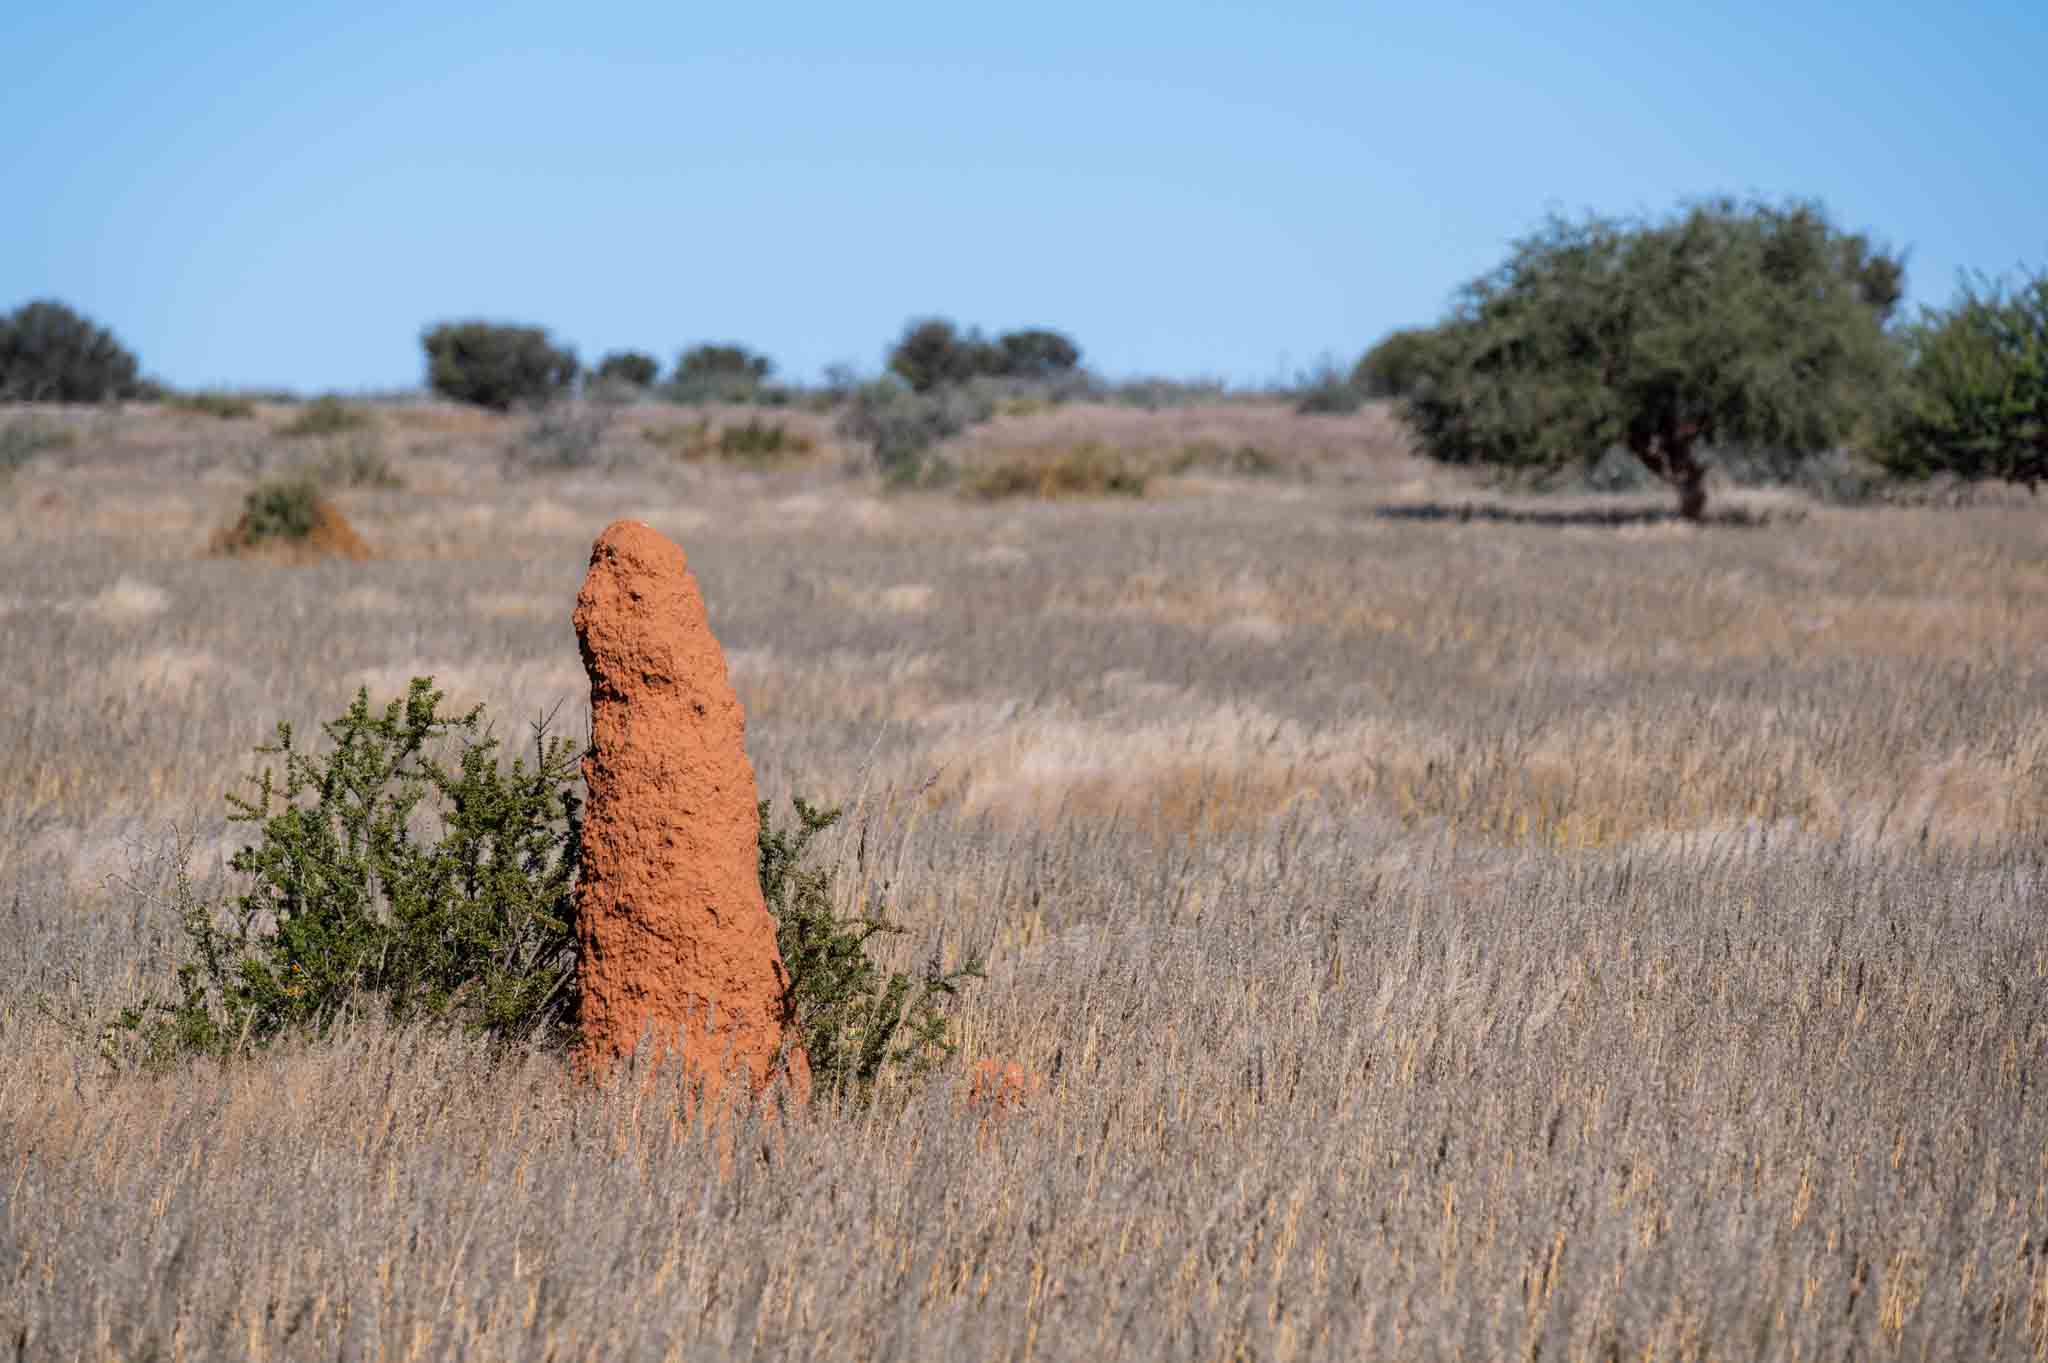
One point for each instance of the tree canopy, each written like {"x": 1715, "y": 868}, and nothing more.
{"x": 494, "y": 365}
{"x": 1976, "y": 404}
{"x": 1749, "y": 323}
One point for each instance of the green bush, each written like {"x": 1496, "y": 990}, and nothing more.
{"x": 1393, "y": 366}
{"x": 752, "y": 439}
{"x": 1036, "y": 353}
{"x": 488, "y": 364}
{"x": 756, "y": 439}
{"x": 1087, "y": 469}
{"x": 219, "y": 406}
{"x": 347, "y": 899}
{"x": 1753, "y": 324}
{"x": 48, "y": 353}
{"x": 724, "y": 373}
{"x": 633, "y": 367}
{"x": 325, "y": 416}
{"x": 857, "y": 1020}
{"x": 723, "y": 361}
{"x": 901, "y": 426}
{"x": 406, "y": 868}
{"x": 1976, "y": 402}
{"x": 933, "y": 353}
{"x": 280, "y": 509}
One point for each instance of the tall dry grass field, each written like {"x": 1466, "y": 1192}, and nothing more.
{"x": 1444, "y": 939}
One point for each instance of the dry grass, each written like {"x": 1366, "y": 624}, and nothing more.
{"x": 1441, "y": 939}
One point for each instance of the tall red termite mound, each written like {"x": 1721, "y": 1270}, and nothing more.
{"x": 674, "y": 939}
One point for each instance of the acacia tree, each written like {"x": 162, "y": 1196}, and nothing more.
{"x": 1751, "y": 323}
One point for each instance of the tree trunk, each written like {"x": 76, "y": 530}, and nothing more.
{"x": 1668, "y": 454}
{"x": 1691, "y": 480}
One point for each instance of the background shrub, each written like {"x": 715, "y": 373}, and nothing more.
{"x": 280, "y": 509}
{"x": 723, "y": 373}
{"x": 1036, "y": 353}
{"x": 1976, "y": 401}
{"x": 48, "y": 353}
{"x": 1393, "y": 366}
{"x": 1086, "y": 469}
{"x": 325, "y": 416}
{"x": 752, "y": 440}
{"x": 1752, "y": 324}
{"x": 900, "y": 425}
{"x": 933, "y": 353}
{"x": 629, "y": 366}
{"x": 488, "y": 364}
{"x": 219, "y": 406}
{"x": 756, "y": 439}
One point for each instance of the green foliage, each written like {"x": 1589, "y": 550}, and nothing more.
{"x": 325, "y": 416}
{"x": 1748, "y": 324}
{"x": 280, "y": 509}
{"x": 1037, "y": 354}
{"x": 1086, "y": 469}
{"x": 405, "y": 867}
{"x": 633, "y": 367}
{"x": 723, "y": 361}
{"x": 901, "y": 426}
{"x": 724, "y": 373}
{"x": 857, "y": 1020}
{"x": 49, "y": 353}
{"x": 492, "y": 365}
{"x": 219, "y": 406}
{"x": 1393, "y": 366}
{"x": 1976, "y": 402}
{"x": 933, "y": 353}
{"x": 756, "y": 439}
{"x": 348, "y": 898}
{"x": 752, "y": 439}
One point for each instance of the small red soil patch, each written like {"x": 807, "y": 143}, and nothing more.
{"x": 997, "y": 1091}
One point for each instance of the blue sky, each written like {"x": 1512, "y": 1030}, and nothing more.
{"x": 284, "y": 195}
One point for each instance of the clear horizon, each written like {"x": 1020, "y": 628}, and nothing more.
{"x": 258, "y": 198}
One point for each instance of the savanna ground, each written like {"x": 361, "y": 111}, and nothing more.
{"x": 1478, "y": 939}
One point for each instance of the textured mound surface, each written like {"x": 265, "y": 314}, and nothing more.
{"x": 676, "y": 942}
{"x": 331, "y": 537}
